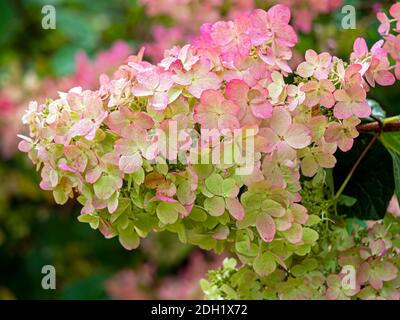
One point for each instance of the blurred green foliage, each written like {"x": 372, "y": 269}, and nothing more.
{"x": 80, "y": 25}
{"x": 35, "y": 232}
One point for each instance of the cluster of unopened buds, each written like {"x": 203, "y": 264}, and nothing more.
{"x": 211, "y": 142}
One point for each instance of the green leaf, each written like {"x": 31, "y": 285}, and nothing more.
{"x": 372, "y": 183}
{"x": 201, "y": 240}
{"x": 138, "y": 176}
{"x": 346, "y": 200}
{"x": 350, "y": 223}
{"x": 228, "y": 186}
{"x": 198, "y": 214}
{"x": 215, "y": 206}
{"x": 214, "y": 184}
{"x": 376, "y": 110}
{"x": 168, "y": 212}
{"x": 203, "y": 170}
{"x": 179, "y": 228}
{"x": 310, "y": 236}
{"x": 229, "y": 263}
{"x": 313, "y": 220}
{"x": 92, "y": 219}
{"x": 391, "y": 140}
{"x": 264, "y": 264}
{"x": 396, "y": 172}
{"x": 129, "y": 239}
{"x": 162, "y": 168}
{"x": 59, "y": 195}
{"x": 123, "y": 205}
{"x": 298, "y": 270}
{"x": 246, "y": 249}
{"x": 146, "y": 222}
{"x": 104, "y": 187}
{"x": 249, "y": 219}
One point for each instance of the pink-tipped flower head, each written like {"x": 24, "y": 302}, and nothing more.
{"x": 351, "y": 101}
{"x": 215, "y": 112}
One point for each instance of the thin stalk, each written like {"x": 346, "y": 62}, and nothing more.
{"x": 390, "y": 120}
{"x": 378, "y": 127}
{"x": 353, "y": 169}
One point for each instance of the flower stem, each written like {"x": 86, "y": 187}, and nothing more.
{"x": 376, "y": 126}
{"x": 353, "y": 169}
{"x": 390, "y": 120}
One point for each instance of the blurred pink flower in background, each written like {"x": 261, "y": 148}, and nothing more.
{"x": 185, "y": 285}
{"x": 131, "y": 285}
{"x": 164, "y": 38}
{"x": 305, "y": 11}
{"x": 141, "y": 284}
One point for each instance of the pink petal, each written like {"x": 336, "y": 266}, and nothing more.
{"x": 182, "y": 78}
{"x": 280, "y": 121}
{"x": 237, "y": 90}
{"x": 94, "y": 174}
{"x": 160, "y": 100}
{"x": 235, "y": 208}
{"x": 309, "y": 166}
{"x": 280, "y": 13}
{"x": 362, "y": 110}
{"x": 149, "y": 79}
{"x": 228, "y": 121}
{"x": 141, "y": 91}
{"x": 298, "y": 136}
{"x": 305, "y": 69}
{"x": 81, "y": 128}
{"x": 360, "y": 47}
{"x": 271, "y": 139}
{"x": 166, "y": 82}
{"x": 385, "y": 78}
{"x": 294, "y": 234}
{"x": 342, "y": 111}
{"x": 395, "y": 10}
{"x": 131, "y": 163}
{"x": 300, "y": 213}
{"x": 212, "y": 81}
{"x": 266, "y": 227}
{"x": 262, "y": 110}
{"x": 24, "y": 146}
{"x": 165, "y": 198}
{"x": 345, "y": 144}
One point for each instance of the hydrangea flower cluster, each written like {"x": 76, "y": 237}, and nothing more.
{"x": 139, "y": 152}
